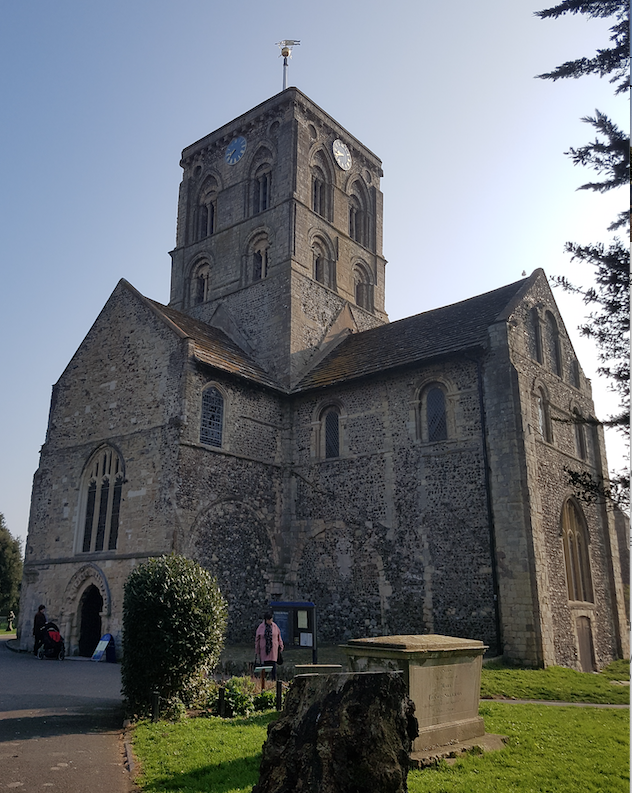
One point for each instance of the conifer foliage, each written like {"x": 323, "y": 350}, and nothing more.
{"x": 608, "y": 322}
{"x": 174, "y": 619}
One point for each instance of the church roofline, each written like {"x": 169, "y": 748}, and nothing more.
{"x": 240, "y": 124}
{"x": 439, "y": 333}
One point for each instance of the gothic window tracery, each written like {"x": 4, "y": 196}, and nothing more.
{"x": 576, "y": 557}
{"x": 102, "y": 494}
{"x": 212, "y": 417}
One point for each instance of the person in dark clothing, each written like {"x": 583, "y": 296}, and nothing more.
{"x": 38, "y": 624}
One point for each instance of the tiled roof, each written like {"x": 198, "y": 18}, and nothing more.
{"x": 436, "y": 333}
{"x": 214, "y": 347}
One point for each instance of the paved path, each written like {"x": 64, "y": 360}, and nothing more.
{"x": 60, "y": 726}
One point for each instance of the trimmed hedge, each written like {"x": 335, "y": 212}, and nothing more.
{"x": 174, "y": 619}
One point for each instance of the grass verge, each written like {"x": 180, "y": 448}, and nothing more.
{"x": 201, "y": 754}
{"x": 550, "y": 750}
{"x": 556, "y": 683}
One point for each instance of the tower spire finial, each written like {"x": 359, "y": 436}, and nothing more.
{"x": 286, "y": 53}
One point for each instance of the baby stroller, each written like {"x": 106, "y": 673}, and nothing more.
{"x": 52, "y": 643}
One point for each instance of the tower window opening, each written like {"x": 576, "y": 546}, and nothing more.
{"x": 261, "y": 196}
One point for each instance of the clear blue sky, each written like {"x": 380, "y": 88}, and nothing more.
{"x": 99, "y": 99}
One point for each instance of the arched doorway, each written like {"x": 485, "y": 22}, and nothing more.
{"x": 90, "y": 608}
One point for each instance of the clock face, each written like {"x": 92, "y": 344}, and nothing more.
{"x": 235, "y": 150}
{"x": 342, "y": 155}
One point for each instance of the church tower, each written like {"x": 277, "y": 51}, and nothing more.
{"x": 279, "y": 239}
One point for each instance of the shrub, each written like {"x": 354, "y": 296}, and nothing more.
{"x": 174, "y": 618}
{"x": 240, "y": 696}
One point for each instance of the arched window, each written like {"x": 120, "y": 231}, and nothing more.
{"x": 102, "y": 493}
{"x": 575, "y": 373}
{"x": 553, "y": 344}
{"x": 580, "y": 434}
{"x": 576, "y": 558}
{"x": 331, "y": 427}
{"x": 436, "y": 417}
{"x": 544, "y": 417}
{"x": 262, "y": 185}
{"x": 363, "y": 288}
{"x": 322, "y": 199}
{"x": 212, "y": 419}
{"x": 205, "y": 210}
{"x": 258, "y": 257}
{"x": 359, "y": 215}
{"x": 200, "y": 290}
{"x": 536, "y": 336}
{"x": 324, "y": 264}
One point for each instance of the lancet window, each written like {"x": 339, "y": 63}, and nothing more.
{"x": 212, "y": 417}
{"x": 102, "y": 495}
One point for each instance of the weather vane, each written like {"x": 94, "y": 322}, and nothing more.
{"x": 286, "y": 53}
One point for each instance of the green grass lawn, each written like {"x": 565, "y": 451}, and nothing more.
{"x": 551, "y": 749}
{"x": 556, "y": 683}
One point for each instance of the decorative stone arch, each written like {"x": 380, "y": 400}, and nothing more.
{"x": 322, "y": 181}
{"x": 337, "y": 568}
{"x": 204, "y": 216}
{"x": 86, "y": 576}
{"x": 256, "y": 255}
{"x": 324, "y": 258}
{"x": 234, "y": 542}
{"x": 434, "y": 406}
{"x": 199, "y": 280}
{"x": 363, "y": 285}
{"x": 360, "y": 211}
{"x": 261, "y": 167}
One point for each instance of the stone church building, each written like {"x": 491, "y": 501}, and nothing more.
{"x": 406, "y": 477}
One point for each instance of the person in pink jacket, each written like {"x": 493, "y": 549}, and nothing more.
{"x": 268, "y": 642}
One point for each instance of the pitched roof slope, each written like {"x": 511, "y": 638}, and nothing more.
{"x": 215, "y": 348}
{"x": 435, "y": 333}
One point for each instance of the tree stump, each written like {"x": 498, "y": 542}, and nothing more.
{"x": 340, "y": 733}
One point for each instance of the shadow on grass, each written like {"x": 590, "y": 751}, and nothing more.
{"x": 238, "y": 774}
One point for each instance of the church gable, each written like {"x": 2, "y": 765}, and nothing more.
{"x": 122, "y": 378}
